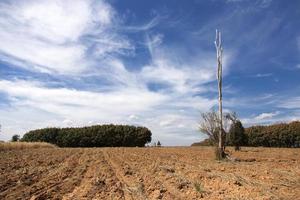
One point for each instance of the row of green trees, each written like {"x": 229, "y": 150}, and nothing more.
{"x": 276, "y": 135}
{"x": 93, "y": 136}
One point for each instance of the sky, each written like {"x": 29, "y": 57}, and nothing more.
{"x": 148, "y": 63}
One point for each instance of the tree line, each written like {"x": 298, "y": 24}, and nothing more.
{"x": 93, "y": 136}
{"x": 276, "y": 135}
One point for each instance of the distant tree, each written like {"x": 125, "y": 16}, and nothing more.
{"x": 237, "y": 136}
{"x": 206, "y": 142}
{"x": 158, "y": 144}
{"x": 15, "y": 138}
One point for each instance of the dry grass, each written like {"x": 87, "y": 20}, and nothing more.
{"x": 24, "y": 145}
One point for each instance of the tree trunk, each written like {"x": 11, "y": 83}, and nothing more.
{"x": 218, "y": 43}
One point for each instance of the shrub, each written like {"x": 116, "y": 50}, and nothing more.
{"x": 15, "y": 138}
{"x": 237, "y": 136}
{"x": 158, "y": 144}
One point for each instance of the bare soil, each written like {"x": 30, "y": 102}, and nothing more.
{"x": 149, "y": 173}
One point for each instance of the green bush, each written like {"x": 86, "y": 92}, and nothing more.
{"x": 93, "y": 136}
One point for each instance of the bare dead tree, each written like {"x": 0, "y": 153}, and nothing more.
{"x": 209, "y": 125}
{"x": 218, "y": 44}
{"x": 215, "y": 124}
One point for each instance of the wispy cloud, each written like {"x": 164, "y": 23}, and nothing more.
{"x": 258, "y": 3}
{"x": 184, "y": 73}
{"x": 58, "y": 36}
{"x": 263, "y": 75}
{"x": 143, "y": 27}
{"x": 264, "y": 116}
{"x": 290, "y": 103}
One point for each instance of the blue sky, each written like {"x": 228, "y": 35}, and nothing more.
{"x": 151, "y": 63}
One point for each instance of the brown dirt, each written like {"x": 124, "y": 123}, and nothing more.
{"x": 149, "y": 173}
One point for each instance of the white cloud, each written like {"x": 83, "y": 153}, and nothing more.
{"x": 170, "y": 120}
{"x": 63, "y": 102}
{"x": 264, "y": 116}
{"x": 56, "y": 36}
{"x": 70, "y": 123}
{"x": 282, "y": 118}
{"x": 182, "y": 73}
{"x": 133, "y": 117}
{"x": 38, "y": 55}
{"x": 175, "y": 128}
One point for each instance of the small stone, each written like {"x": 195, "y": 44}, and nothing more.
{"x": 157, "y": 194}
{"x": 128, "y": 173}
{"x": 207, "y": 170}
{"x": 163, "y": 190}
{"x": 100, "y": 182}
{"x": 274, "y": 187}
{"x": 238, "y": 183}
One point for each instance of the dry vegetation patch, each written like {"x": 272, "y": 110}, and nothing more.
{"x": 24, "y": 145}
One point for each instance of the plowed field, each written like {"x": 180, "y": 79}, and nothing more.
{"x": 149, "y": 173}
